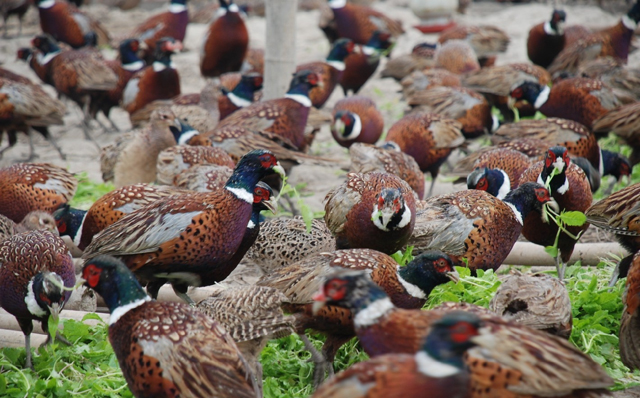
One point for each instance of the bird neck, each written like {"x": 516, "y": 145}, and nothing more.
{"x": 437, "y": 359}
{"x": 177, "y": 6}
{"x": 521, "y": 202}
{"x": 74, "y": 223}
{"x": 417, "y": 281}
{"x": 130, "y": 60}
{"x": 500, "y": 181}
{"x": 242, "y": 93}
{"x": 559, "y": 182}
{"x": 242, "y": 182}
{"x": 299, "y": 92}
{"x": 46, "y": 4}
{"x": 123, "y": 294}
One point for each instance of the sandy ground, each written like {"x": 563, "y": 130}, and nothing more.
{"x": 311, "y": 44}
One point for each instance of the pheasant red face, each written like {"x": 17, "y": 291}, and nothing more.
{"x": 462, "y": 332}
{"x": 62, "y": 226}
{"x": 135, "y": 45}
{"x": 335, "y": 289}
{"x": 313, "y": 79}
{"x": 482, "y": 185}
{"x": 91, "y": 274}
{"x": 542, "y": 195}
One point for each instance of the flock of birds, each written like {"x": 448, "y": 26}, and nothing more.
{"x": 214, "y": 157}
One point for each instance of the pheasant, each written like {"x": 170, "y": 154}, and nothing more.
{"x": 225, "y": 43}
{"x": 65, "y": 23}
{"x": 25, "y": 187}
{"x": 166, "y": 349}
{"x": 372, "y": 210}
{"x": 356, "y": 119}
{"x": 194, "y": 253}
{"x": 37, "y": 276}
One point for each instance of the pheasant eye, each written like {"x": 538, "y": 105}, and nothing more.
{"x": 441, "y": 263}
{"x": 517, "y": 93}
{"x": 62, "y": 226}
{"x": 380, "y": 201}
{"x": 267, "y": 160}
{"x": 482, "y": 184}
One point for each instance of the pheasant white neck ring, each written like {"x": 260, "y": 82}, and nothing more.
{"x": 300, "y": 98}
{"x": 339, "y": 65}
{"x": 542, "y": 97}
{"x": 355, "y": 130}
{"x": 159, "y": 66}
{"x": 185, "y": 137}
{"x": 123, "y": 309}
{"x": 32, "y": 305}
{"x": 412, "y": 289}
{"x": 629, "y": 23}
{"x": 238, "y": 101}
{"x": 241, "y": 194}
{"x": 45, "y": 59}
{"x": 134, "y": 66}
{"x": 177, "y": 8}
{"x": 374, "y": 311}
{"x": 516, "y": 212}
{"x": 335, "y": 4}
{"x": 431, "y": 367}
{"x": 47, "y": 4}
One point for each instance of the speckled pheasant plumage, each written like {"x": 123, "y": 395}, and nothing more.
{"x": 486, "y": 40}
{"x": 624, "y": 122}
{"x": 496, "y": 83}
{"x": 579, "y": 99}
{"x": 409, "y": 375}
{"x": 457, "y": 57}
{"x": 511, "y": 161}
{"x": 578, "y": 140}
{"x": 35, "y": 220}
{"x": 284, "y": 241}
{"x": 282, "y": 118}
{"x": 356, "y": 119}
{"x": 82, "y": 226}
{"x": 475, "y": 225}
{"x": 421, "y": 58}
{"x": 407, "y": 286}
{"x": 571, "y": 191}
{"x": 630, "y": 322}
{"x": 25, "y": 187}
{"x": 372, "y": 210}
{"x": 510, "y": 360}
{"x": 366, "y": 158}
{"x": 25, "y": 106}
{"x": 203, "y": 177}
{"x": 624, "y": 81}
{"x": 539, "y": 301}
{"x": 428, "y": 138}
{"x": 426, "y": 79}
{"x": 179, "y": 238}
{"x": 36, "y": 266}
{"x": 166, "y": 349}
{"x": 462, "y": 104}
{"x": 176, "y": 159}
{"x": 614, "y": 41}
{"x": 620, "y": 214}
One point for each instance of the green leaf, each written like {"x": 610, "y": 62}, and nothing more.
{"x": 573, "y": 218}
{"x": 552, "y": 251}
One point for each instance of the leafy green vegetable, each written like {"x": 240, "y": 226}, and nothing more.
{"x": 89, "y": 191}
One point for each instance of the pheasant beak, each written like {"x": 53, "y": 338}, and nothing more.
{"x": 511, "y": 102}
{"x": 552, "y": 204}
{"x": 175, "y": 47}
{"x": 272, "y": 205}
{"x": 454, "y": 276}
{"x": 54, "y": 309}
{"x": 319, "y": 301}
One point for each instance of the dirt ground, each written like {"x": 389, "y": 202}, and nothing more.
{"x": 83, "y": 155}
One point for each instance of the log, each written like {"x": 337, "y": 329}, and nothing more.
{"x": 280, "y": 49}
{"x": 526, "y": 253}
{"x": 13, "y": 339}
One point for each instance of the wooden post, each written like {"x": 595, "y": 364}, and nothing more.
{"x": 280, "y": 51}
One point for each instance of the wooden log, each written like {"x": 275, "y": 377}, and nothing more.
{"x": 526, "y": 253}
{"x": 13, "y": 339}
{"x": 280, "y": 50}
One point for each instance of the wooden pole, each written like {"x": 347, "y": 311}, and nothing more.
{"x": 280, "y": 51}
